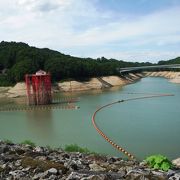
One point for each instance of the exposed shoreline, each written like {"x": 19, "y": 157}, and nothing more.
{"x": 93, "y": 84}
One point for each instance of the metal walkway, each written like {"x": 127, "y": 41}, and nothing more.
{"x": 156, "y": 67}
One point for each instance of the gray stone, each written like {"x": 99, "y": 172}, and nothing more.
{"x": 143, "y": 163}
{"x": 38, "y": 149}
{"x": 3, "y": 148}
{"x": 74, "y": 176}
{"x": 52, "y": 171}
{"x": 122, "y": 173}
{"x": 18, "y": 163}
{"x": 3, "y": 166}
{"x": 26, "y": 169}
{"x": 158, "y": 173}
{"x": 138, "y": 171}
{"x": 17, "y": 174}
{"x": 40, "y": 176}
{"x": 96, "y": 167}
{"x": 170, "y": 173}
{"x": 175, "y": 177}
{"x": 94, "y": 177}
{"x": 53, "y": 177}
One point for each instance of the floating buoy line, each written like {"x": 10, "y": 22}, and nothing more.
{"x": 119, "y": 148}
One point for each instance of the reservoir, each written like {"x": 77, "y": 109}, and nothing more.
{"x": 142, "y": 127}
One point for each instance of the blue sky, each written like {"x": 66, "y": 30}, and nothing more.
{"x": 133, "y": 30}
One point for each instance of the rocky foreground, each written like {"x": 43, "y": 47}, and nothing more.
{"x": 26, "y": 162}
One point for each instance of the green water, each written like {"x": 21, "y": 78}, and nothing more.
{"x": 143, "y": 127}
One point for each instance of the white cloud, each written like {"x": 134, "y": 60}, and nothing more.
{"x": 158, "y": 25}
{"x": 141, "y": 56}
{"x": 43, "y": 5}
{"x": 77, "y": 27}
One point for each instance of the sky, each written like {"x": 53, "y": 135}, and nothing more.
{"x": 132, "y": 30}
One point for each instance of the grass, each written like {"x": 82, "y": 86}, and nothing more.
{"x": 68, "y": 148}
{"x": 76, "y": 148}
{"x": 28, "y": 142}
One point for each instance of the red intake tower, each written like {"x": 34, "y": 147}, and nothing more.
{"x": 38, "y": 88}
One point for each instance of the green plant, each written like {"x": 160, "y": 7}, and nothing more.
{"x": 28, "y": 142}
{"x": 76, "y": 148}
{"x": 159, "y": 162}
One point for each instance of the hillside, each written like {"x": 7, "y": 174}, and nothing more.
{"x": 17, "y": 59}
{"x": 172, "y": 61}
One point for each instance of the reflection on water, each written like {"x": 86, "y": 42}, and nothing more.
{"x": 40, "y": 123}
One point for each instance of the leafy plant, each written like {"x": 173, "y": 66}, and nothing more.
{"x": 159, "y": 162}
{"x": 28, "y": 142}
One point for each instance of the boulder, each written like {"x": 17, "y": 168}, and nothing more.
{"x": 176, "y": 162}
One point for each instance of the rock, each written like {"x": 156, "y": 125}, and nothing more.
{"x": 94, "y": 177}
{"x": 122, "y": 173}
{"x": 53, "y": 177}
{"x": 18, "y": 163}
{"x": 3, "y": 166}
{"x": 158, "y": 173}
{"x": 74, "y": 176}
{"x": 143, "y": 163}
{"x": 176, "y": 162}
{"x": 111, "y": 160}
{"x": 3, "y": 148}
{"x": 52, "y": 171}
{"x": 96, "y": 167}
{"x": 17, "y": 174}
{"x": 38, "y": 149}
{"x": 20, "y": 151}
{"x": 175, "y": 177}
{"x": 40, "y": 176}
{"x": 25, "y": 163}
{"x": 170, "y": 173}
{"x": 138, "y": 171}
{"x": 10, "y": 158}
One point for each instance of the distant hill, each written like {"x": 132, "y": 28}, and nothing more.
{"x": 172, "y": 61}
{"x": 18, "y": 59}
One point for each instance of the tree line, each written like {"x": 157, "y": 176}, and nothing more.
{"x": 18, "y": 59}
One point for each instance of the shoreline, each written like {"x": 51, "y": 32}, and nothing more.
{"x": 19, "y": 161}
{"x": 99, "y": 83}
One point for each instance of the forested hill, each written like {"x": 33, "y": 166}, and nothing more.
{"x": 17, "y": 59}
{"x": 172, "y": 61}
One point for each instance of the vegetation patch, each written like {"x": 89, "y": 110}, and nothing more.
{"x": 76, "y": 148}
{"x": 42, "y": 165}
{"x": 29, "y": 142}
{"x": 159, "y": 162}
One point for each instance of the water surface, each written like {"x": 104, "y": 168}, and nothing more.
{"x": 143, "y": 127}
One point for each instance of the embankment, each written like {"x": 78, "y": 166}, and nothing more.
{"x": 75, "y": 86}
{"x": 95, "y": 83}
{"x": 26, "y": 162}
{"x": 173, "y": 77}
